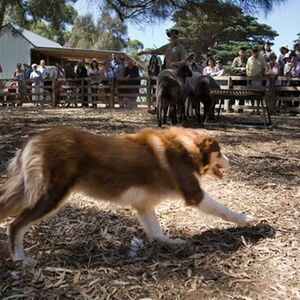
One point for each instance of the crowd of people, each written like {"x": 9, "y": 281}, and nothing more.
{"x": 92, "y": 74}
{"x": 262, "y": 62}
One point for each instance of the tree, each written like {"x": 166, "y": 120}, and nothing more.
{"x": 224, "y": 34}
{"x": 50, "y": 20}
{"x": 109, "y": 33}
{"x": 297, "y": 40}
{"x": 148, "y": 10}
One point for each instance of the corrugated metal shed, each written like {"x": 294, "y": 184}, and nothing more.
{"x": 35, "y": 39}
{"x": 16, "y": 44}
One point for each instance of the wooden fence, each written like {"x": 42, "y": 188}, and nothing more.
{"x": 135, "y": 92}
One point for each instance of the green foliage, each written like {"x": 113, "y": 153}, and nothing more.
{"x": 151, "y": 10}
{"x": 108, "y": 34}
{"x": 132, "y": 48}
{"x": 222, "y": 33}
{"x": 297, "y": 40}
{"x": 47, "y": 20}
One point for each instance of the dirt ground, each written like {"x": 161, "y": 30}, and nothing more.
{"x": 83, "y": 251}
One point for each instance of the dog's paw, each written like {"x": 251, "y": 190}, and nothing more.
{"x": 175, "y": 242}
{"x": 245, "y": 219}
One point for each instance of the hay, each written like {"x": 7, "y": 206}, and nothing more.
{"x": 90, "y": 250}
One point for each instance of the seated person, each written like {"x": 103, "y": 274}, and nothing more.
{"x": 210, "y": 67}
{"x": 219, "y": 70}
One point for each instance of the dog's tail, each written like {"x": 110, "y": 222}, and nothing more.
{"x": 24, "y": 184}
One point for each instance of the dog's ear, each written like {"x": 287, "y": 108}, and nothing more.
{"x": 184, "y": 175}
{"x": 209, "y": 145}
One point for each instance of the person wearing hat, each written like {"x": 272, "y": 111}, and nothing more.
{"x": 284, "y": 50}
{"x": 93, "y": 74}
{"x": 19, "y": 76}
{"x": 175, "y": 54}
{"x": 37, "y": 80}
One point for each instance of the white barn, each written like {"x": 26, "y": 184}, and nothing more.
{"x": 16, "y": 45}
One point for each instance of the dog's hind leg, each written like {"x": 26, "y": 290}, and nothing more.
{"x": 152, "y": 228}
{"x": 46, "y": 204}
{"x": 212, "y": 207}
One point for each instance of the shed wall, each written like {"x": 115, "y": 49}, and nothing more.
{"x": 13, "y": 49}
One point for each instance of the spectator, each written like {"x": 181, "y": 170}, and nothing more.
{"x": 153, "y": 71}
{"x": 27, "y": 71}
{"x": 272, "y": 67}
{"x": 69, "y": 70}
{"x": 153, "y": 67}
{"x": 266, "y": 51}
{"x": 132, "y": 72}
{"x": 46, "y": 76}
{"x": 283, "y": 51}
{"x": 113, "y": 62}
{"x": 218, "y": 70}
{"x": 175, "y": 54}
{"x": 292, "y": 67}
{"x": 107, "y": 73}
{"x": 59, "y": 72}
{"x": 43, "y": 70}
{"x": 297, "y": 50}
{"x": 80, "y": 70}
{"x": 37, "y": 79}
{"x": 19, "y": 76}
{"x": 256, "y": 64}
{"x": 119, "y": 74}
{"x": 191, "y": 62}
{"x": 204, "y": 63}
{"x": 81, "y": 73}
{"x": 120, "y": 67}
{"x": 94, "y": 74}
{"x": 255, "y": 67}
{"x": 238, "y": 66}
{"x": 210, "y": 67}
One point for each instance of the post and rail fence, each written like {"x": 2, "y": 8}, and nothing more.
{"x": 139, "y": 92}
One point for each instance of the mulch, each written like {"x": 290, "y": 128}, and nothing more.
{"x": 92, "y": 250}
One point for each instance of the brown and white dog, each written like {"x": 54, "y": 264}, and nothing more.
{"x": 139, "y": 170}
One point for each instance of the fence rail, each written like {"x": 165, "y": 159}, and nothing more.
{"x": 133, "y": 92}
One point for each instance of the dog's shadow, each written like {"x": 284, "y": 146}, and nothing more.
{"x": 92, "y": 238}
{"x": 106, "y": 239}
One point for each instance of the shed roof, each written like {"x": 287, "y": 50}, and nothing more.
{"x": 76, "y": 53}
{"x": 33, "y": 38}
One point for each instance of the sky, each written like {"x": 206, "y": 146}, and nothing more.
{"x": 284, "y": 19}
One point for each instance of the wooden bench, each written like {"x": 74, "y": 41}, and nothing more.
{"x": 230, "y": 91}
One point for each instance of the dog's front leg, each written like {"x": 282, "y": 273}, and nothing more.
{"x": 213, "y": 207}
{"x": 152, "y": 228}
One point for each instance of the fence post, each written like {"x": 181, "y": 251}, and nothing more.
{"x": 271, "y": 94}
{"x": 53, "y": 102}
{"x": 112, "y": 93}
{"x": 82, "y": 93}
{"x": 149, "y": 92}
